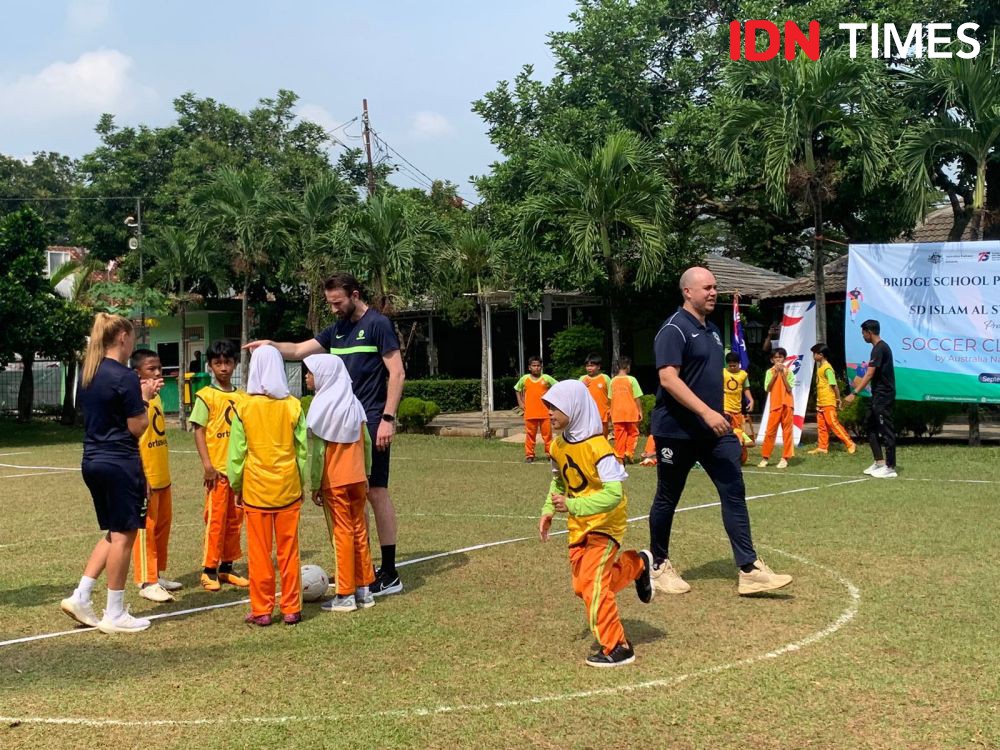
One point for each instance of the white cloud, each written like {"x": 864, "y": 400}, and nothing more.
{"x": 94, "y": 83}
{"x": 317, "y": 114}
{"x": 87, "y": 15}
{"x": 427, "y": 125}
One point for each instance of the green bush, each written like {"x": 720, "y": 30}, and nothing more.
{"x": 917, "y": 418}
{"x": 571, "y": 346}
{"x": 453, "y": 395}
{"x": 647, "y": 401}
{"x": 416, "y": 413}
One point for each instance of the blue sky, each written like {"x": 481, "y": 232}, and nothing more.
{"x": 420, "y": 64}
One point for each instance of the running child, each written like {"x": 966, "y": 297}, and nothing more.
{"x": 530, "y": 389}
{"x": 266, "y": 466}
{"x": 599, "y": 386}
{"x": 341, "y": 455}
{"x": 587, "y": 484}
{"x": 827, "y": 403}
{"x": 212, "y": 416}
{"x": 779, "y": 382}
{"x": 626, "y": 410}
{"x": 150, "y": 550}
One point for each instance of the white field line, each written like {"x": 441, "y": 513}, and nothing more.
{"x": 49, "y": 473}
{"x": 19, "y": 453}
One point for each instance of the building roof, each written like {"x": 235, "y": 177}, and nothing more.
{"x": 732, "y": 275}
{"x": 834, "y": 274}
{"x": 937, "y": 226}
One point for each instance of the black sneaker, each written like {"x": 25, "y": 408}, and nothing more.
{"x": 643, "y": 584}
{"x": 384, "y": 585}
{"x": 620, "y": 655}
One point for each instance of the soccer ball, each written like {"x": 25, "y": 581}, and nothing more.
{"x": 315, "y": 582}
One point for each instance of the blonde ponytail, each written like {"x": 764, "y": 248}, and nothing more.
{"x": 102, "y": 336}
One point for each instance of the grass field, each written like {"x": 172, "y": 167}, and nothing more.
{"x": 888, "y": 637}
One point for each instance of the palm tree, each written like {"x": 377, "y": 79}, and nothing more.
{"x": 244, "y": 210}
{"x": 609, "y": 208}
{"x": 792, "y": 113}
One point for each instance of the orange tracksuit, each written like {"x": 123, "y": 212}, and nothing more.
{"x": 826, "y": 409}
{"x": 214, "y": 410}
{"x": 782, "y": 412}
{"x": 596, "y": 523}
{"x": 536, "y": 414}
{"x": 600, "y": 390}
{"x": 339, "y": 471}
{"x": 267, "y": 465}
{"x": 625, "y": 414}
{"x": 149, "y": 553}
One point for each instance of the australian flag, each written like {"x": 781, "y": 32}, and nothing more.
{"x": 739, "y": 343}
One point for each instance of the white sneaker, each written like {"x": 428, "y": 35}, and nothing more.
{"x": 340, "y": 604}
{"x": 666, "y": 579}
{"x": 156, "y": 593}
{"x": 123, "y": 623}
{"x": 366, "y": 601}
{"x": 762, "y": 464}
{"x": 82, "y": 612}
{"x": 782, "y": 464}
{"x": 169, "y": 585}
{"x": 884, "y": 472}
{"x": 871, "y": 469}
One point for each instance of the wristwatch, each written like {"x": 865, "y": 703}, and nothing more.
{"x": 390, "y": 418}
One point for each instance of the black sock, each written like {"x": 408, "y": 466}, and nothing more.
{"x": 226, "y": 567}
{"x": 211, "y": 572}
{"x": 748, "y": 568}
{"x": 388, "y": 560}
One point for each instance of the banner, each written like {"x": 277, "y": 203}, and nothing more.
{"x": 938, "y": 305}
{"x": 798, "y": 335}
{"x": 739, "y": 343}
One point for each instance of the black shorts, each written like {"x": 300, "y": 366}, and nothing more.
{"x": 119, "y": 492}
{"x": 379, "y": 476}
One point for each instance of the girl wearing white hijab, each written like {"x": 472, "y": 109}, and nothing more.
{"x": 268, "y": 456}
{"x": 341, "y": 460}
{"x": 587, "y": 484}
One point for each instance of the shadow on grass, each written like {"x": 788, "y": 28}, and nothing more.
{"x": 638, "y": 632}
{"x": 416, "y": 575}
{"x": 715, "y": 569}
{"x": 38, "y": 594}
{"x": 14, "y": 434}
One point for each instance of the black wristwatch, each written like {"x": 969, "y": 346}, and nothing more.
{"x": 390, "y": 418}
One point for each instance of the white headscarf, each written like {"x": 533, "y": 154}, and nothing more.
{"x": 572, "y": 398}
{"x": 335, "y": 414}
{"x": 267, "y": 373}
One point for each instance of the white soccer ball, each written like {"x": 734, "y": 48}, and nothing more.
{"x": 315, "y": 582}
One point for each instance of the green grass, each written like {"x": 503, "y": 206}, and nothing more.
{"x": 915, "y": 667}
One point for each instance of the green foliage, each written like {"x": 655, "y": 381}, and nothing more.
{"x": 48, "y": 176}
{"x": 921, "y": 419}
{"x": 570, "y": 347}
{"x": 459, "y": 395}
{"x": 647, "y": 401}
{"x": 416, "y": 413}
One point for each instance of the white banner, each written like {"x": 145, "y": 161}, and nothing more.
{"x": 798, "y": 335}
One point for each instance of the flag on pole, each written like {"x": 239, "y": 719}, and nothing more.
{"x": 739, "y": 343}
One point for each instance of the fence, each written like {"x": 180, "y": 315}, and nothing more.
{"x": 49, "y": 386}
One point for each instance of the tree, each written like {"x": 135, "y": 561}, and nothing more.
{"x": 609, "y": 209}
{"x": 44, "y": 184}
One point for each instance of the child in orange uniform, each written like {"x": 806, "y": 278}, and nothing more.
{"x": 626, "y": 410}
{"x": 530, "y": 389}
{"x": 779, "y": 382}
{"x": 599, "y": 386}
{"x": 212, "y": 417}
{"x": 268, "y": 457}
{"x": 827, "y": 403}
{"x": 649, "y": 452}
{"x": 341, "y": 460}
{"x": 149, "y": 553}
{"x": 587, "y": 484}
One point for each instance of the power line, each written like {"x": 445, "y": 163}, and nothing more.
{"x": 77, "y": 198}
{"x": 430, "y": 180}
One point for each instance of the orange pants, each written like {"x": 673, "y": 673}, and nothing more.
{"x": 223, "y": 521}
{"x": 782, "y": 416}
{"x": 597, "y": 577}
{"x": 826, "y": 421}
{"x": 264, "y": 529}
{"x": 531, "y": 426}
{"x": 344, "y": 508}
{"x": 149, "y": 552}
{"x": 626, "y": 438}
{"x": 736, "y": 420}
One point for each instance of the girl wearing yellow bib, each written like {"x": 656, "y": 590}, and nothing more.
{"x": 587, "y": 485}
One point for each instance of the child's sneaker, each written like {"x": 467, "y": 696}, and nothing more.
{"x": 169, "y": 585}
{"x": 762, "y": 464}
{"x": 365, "y": 600}
{"x": 293, "y": 619}
{"x": 259, "y": 620}
{"x": 340, "y": 604}
{"x": 620, "y": 655}
{"x": 82, "y": 612}
{"x": 852, "y": 449}
{"x": 233, "y": 580}
{"x": 529, "y": 459}
{"x": 644, "y": 583}
{"x": 782, "y": 464}
{"x": 666, "y": 579}
{"x": 760, "y": 579}
{"x": 210, "y": 583}
{"x": 123, "y": 623}
{"x": 651, "y": 461}
{"x": 155, "y": 593}
{"x": 818, "y": 451}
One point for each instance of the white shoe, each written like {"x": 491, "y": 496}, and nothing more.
{"x": 340, "y": 604}
{"x": 123, "y": 623}
{"x": 156, "y": 593}
{"x": 82, "y": 612}
{"x": 364, "y": 602}
{"x": 169, "y": 585}
{"x": 760, "y": 579}
{"x": 871, "y": 469}
{"x": 884, "y": 472}
{"x": 665, "y": 579}
{"x": 762, "y": 464}
{"x": 782, "y": 464}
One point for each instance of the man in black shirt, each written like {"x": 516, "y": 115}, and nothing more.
{"x": 881, "y": 375}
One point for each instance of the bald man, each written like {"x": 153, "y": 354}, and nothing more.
{"x": 688, "y": 425}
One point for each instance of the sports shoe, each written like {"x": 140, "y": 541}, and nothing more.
{"x": 782, "y": 464}
{"x": 529, "y": 459}
{"x": 340, "y": 604}
{"x": 209, "y": 583}
{"x": 261, "y": 621}
{"x": 234, "y": 580}
{"x": 366, "y": 601}
{"x": 761, "y": 578}
{"x": 620, "y": 655}
{"x": 82, "y": 612}
{"x": 384, "y": 586}
{"x": 852, "y": 449}
{"x": 818, "y": 451}
{"x": 644, "y": 584}
{"x": 884, "y": 472}
{"x": 293, "y": 619}
{"x": 123, "y": 623}
{"x": 762, "y": 464}
{"x": 871, "y": 469}
{"x": 169, "y": 585}
{"x": 666, "y": 579}
{"x": 155, "y": 593}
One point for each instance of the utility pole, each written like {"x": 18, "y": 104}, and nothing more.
{"x": 368, "y": 148}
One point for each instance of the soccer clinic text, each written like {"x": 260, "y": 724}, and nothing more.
{"x": 885, "y": 40}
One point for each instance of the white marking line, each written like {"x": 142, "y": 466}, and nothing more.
{"x": 848, "y": 476}
{"x": 843, "y": 619}
{"x": 19, "y": 453}
{"x": 95, "y": 535}
{"x": 34, "y": 474}
{"x": 49, "y": 468}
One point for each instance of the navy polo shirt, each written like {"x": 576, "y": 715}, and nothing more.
{"x": 361, "y": 345}
{"x": 107, "y": 403}
{"x": 697, "y": 350}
